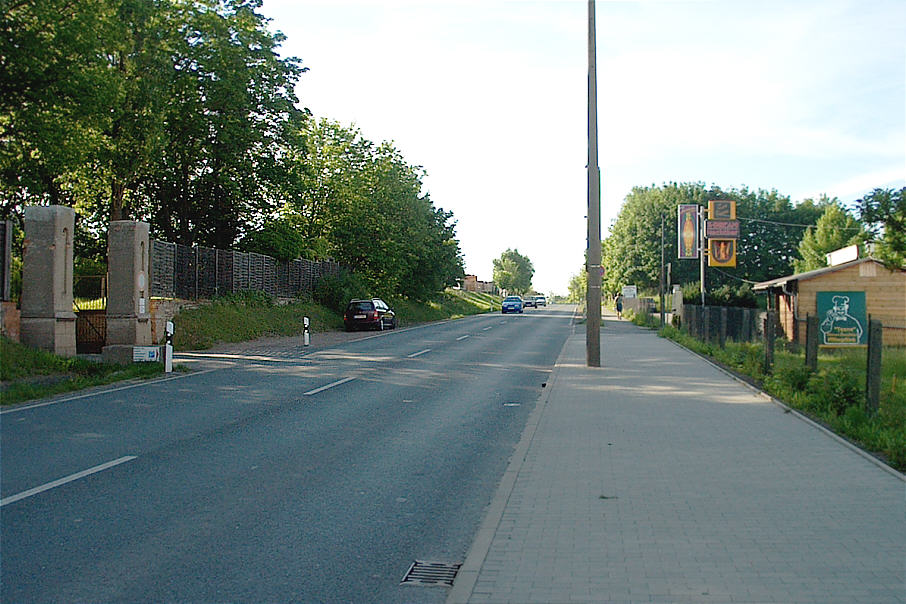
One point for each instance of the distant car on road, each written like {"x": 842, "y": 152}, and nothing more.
{"x": 373, "y": 313}
{"x": 540, "y": 301}
{"x": 511, "y": 304}
{"x": 528, "y": 301}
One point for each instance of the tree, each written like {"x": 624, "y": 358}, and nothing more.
{"x": 55, "y": 91}
{"x": 835, "y": 229}
{"x": 578, "y": 285}
{"x": 362, "y": 203}
{"x": 231, "y": 115}
{"x": 884, "y": 213}
{"x": 278, "y": 238}
{"x": 513, "y": 272}
{"x": 770, "y": 231}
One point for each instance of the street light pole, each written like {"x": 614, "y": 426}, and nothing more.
{"x": 593, "y": 294}
{"x": 663, "y": 285}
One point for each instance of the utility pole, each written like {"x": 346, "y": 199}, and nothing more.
{"x": 702, "y": 249}
{"x": 663, "y": 260}
{"x": 593, "y": 294}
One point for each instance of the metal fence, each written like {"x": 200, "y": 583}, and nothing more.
{"x": 6, "y": 240}
{"x": 721, "y": 323}
{"x": 179, "y": 271}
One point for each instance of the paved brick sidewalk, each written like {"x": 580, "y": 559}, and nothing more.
{"x": 659, "y": 478}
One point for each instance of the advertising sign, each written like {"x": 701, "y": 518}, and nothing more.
{"x": 630, "y": 291}
{"x": 722, "y": 210}
{"x": 687, "y": 231}
{"x": 722, "y": 229}
{"x": 843, "y": 319}
{"x": 722, "y": 252}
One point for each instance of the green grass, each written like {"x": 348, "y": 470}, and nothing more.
{"x": 643, "y": 318}
{"x": 247, "y": 317}
{"x": 834, "y": 396}
{"x": 27, "y": 374}
{"x": 89, "y": 304}
{"x": 452, "y": 304}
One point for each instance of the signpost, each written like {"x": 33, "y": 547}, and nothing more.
{"x": 721, "y": 231}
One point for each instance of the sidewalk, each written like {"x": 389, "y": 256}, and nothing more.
{"x": 658, "y": 478}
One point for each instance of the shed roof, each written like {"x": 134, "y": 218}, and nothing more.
{"x": 780, "y": 282}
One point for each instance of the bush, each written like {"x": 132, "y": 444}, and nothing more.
{"x": 836, "y": 390}
{"x": 278, "y": 239}
{"x": 795, "y": 377}
{"x": 725, "y": 295}
{"x": 335, "y": 292}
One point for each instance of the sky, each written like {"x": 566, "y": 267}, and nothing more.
{"x": 490, "y": 97}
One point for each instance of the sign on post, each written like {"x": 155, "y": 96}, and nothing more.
{"x": 722, "y": 210}
{"x": 843, "y": 319}
{"x": 722, "y": 229}
{"x": 722, "y": 252}
{"x": 687, "y": 231}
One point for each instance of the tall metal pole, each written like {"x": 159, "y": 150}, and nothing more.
{"x": 593, "y": 294}
{"x": 702, "y": 250}
{"x": 662, "y": 287}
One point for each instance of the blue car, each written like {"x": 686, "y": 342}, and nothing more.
{"x": 511, "y": 304}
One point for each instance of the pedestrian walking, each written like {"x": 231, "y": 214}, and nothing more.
{"x": 619, "y": 304}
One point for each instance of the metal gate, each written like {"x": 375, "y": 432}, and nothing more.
{"x": 91, "y": 331}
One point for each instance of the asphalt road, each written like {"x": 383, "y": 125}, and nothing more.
{"x": 315, "y": 477}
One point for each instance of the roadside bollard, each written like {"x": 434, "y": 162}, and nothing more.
{"x": 168, "y": 349}
{"x": 306, "y": 333}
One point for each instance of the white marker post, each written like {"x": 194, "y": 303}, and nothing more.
{"x": 306, "y": 334}
{"x": 168, "y": 349}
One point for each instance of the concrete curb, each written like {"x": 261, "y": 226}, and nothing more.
{"x": 467, "y": 576}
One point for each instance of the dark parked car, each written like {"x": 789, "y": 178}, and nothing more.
{"x": 511, "y": 304}
{"x": 373, "y": 313}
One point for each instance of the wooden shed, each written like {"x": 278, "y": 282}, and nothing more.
{"x": 796, "y": 296}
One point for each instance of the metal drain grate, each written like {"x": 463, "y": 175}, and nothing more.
{"x": 439, "y": 574}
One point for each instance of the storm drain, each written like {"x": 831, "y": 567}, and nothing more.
{"x": 439, "y": 574}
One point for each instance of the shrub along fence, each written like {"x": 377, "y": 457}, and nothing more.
{"x": 717, "y": 324}
{"x": 190, "y": 273}
{"x": 720, "y": 323}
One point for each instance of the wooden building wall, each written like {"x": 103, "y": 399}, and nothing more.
{"x": 885, "y": 298}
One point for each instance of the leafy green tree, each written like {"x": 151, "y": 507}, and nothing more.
{"x": 362, "y": 203}
{"x": 770, "y": 231}
{"x": 578, "y": 285}
{"x": 231, "y": 114}
{"x": 513, "y": 272}
{"x": 884, "y": 212}
{"x": 835, "y": 229}
{"x": 54, "y": 92}
{"x": 278, "y": 238}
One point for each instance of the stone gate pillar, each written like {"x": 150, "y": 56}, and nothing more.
{"x": 47, "y": 319}
{"x": 128, "y": 289}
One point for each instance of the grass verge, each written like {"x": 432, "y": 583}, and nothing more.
{"x": 239, "y": 318}
{"x": 27, "y": 374}
{"x": 833, "y": 396}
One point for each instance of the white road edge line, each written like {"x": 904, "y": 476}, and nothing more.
{"x": 108, "y": 390}
{"x": 418, "y": 354}
{"x": 62, "y": 481}
{"x": 328, "y": 386}
{"x": 488, "y": 328}
{"x": 462, "y": 337}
